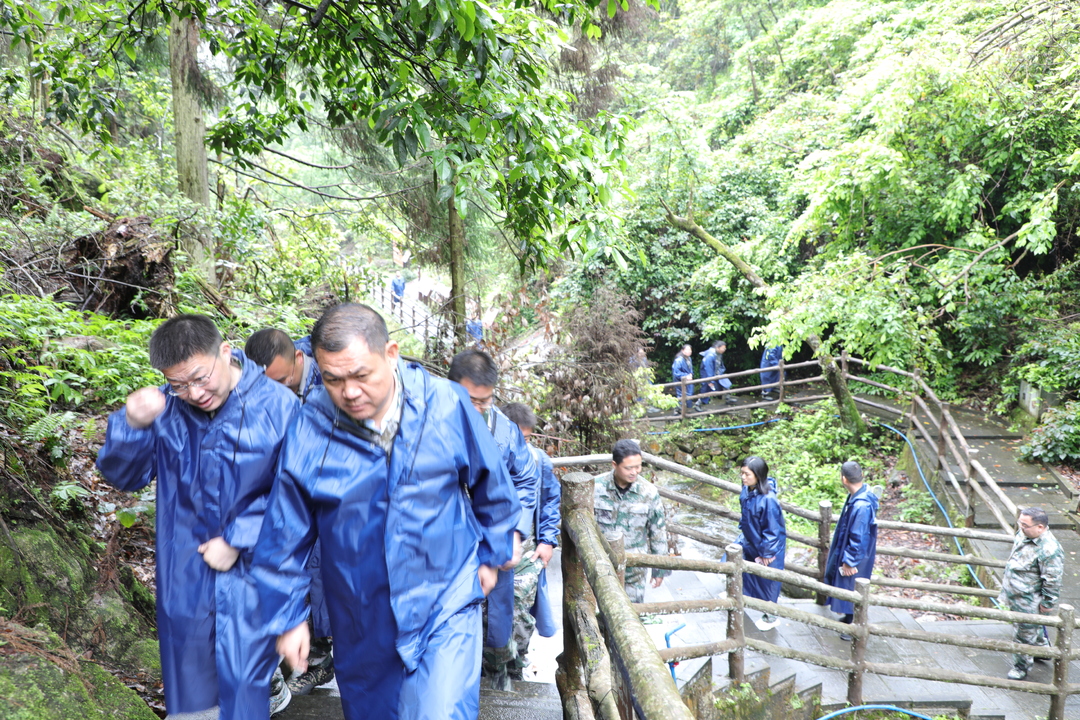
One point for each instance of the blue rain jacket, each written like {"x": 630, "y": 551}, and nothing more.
{"x": 475, "y": 329}
{"x": 762, "y": 534}
{"x": 713, "y": 364}
{"x": 854, "y": 544}
{"x": 213, "y": 477}
{"x": 681, "y": 367}
{"x": 403, "y": 535}
{"x": 771, "y": 358}
{"x": 548, "y": 519}
{"x": 526, "y": 476}
{"x": 314, "y": 377}
{"x": 397, "y": 287}
{"x": 320, "y": 615}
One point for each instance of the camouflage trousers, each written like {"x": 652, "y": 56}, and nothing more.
{"x": 635, "y": 583}
{"x": 1026, "y": 633}
{"x": 511, "y": 658}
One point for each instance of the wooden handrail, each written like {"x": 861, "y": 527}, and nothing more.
{"x": 740, "y": 373}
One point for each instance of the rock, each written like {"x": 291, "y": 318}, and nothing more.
{"x": 683, "y": 458}
{"x": 34, "y": 688}
{"x": 85, "y": 342}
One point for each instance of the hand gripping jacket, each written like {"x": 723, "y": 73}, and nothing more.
{"x": 213, "y": 477}
{"x": 402, "y": 533}
{"x": 854, "y": 544}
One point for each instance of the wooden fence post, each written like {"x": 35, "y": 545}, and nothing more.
{"x": 861, "y": 638}
{"x": 618, "y": 556}
{"x": 576, "y": 494}
{"x": 683, "y": 398}
{"x": 824, "y": 535}
{"x": 843, "y": 363}
{"x": 781, "y": 366}
{"x": 1061, "y": 664}
{"x": 736, "y": 658}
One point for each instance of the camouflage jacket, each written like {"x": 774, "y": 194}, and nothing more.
{"x": 637, "y": 513}
{"x": 1033, "y": 572}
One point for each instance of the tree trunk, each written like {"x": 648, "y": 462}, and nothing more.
{"x": 457, "y": 273}
{"x": 845, "y": 403}
{"x": 191, "y": 165}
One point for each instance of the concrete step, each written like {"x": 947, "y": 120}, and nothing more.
{"x": 529, "y": 701}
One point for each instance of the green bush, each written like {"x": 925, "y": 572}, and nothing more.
{"x": 1057, "y": 439}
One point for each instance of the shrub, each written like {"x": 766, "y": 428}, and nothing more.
{"x": 1057, "y": 439}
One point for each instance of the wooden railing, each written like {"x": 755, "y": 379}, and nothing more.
{"x": 621, "y": 668}
{"x": 929, "y": 417}
{"x": 823, "y": 518}
{"x": 431, "y": 324}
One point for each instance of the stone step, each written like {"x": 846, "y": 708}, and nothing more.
{"x": 529, "y": 701}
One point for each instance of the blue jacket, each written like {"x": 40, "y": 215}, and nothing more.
{"x": 770, "y": 357}
{"x": 314, "y": 377}
{"x": 854, "y": 544}
{"x": 397, "y": 286}
{"x": 213, "y": 477}
{"x": 526, "y": 476}
{"x": 475, "y": 329}
{"x": 444, "y": 505}
{"x": 712, "y": 364}
{"x": 548, "y": 520}
{"x": 763, "y": 533}
{"x": 680, "y": 367}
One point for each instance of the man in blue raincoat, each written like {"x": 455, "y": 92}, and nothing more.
{"x": 770, "y": 357}
{"x": 210, "y": 437}
{"x": 712, "y": 364}
{"x": 532, "y": 607}
{"x": 854, "y": 544}
{"x": 475, "y": 371}
{"x": 405, "y": 490}
{"x": 397, "y": 290}
{"x": 291, "y": 364}
{"x": 682, "y": 369}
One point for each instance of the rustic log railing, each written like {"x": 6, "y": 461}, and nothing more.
{"x": 610, "y": 665}
{"x": 929, "y": 417}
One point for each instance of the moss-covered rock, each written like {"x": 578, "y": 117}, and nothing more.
{"x": 50, "y": 580}
{"x": 32, "y": 688}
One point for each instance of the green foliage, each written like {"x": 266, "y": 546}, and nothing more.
{"x": 1057, "y": 438}
{"x": 917, "y": 506}
{"x": 43, "y": 375}
{"x": 67, "y": 495}
{"x": 1050, "y": 360}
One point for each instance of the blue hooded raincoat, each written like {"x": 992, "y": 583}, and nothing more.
{"x": 526, "y": 476}
{"x": 548, "y": 519}
{"x": 762, "y": 534}
{"x": 213, "y": 477}
{"x": 680, "y": 367}
{"x": 403, "y": 534}
{"x": 854, "y": 544}
{"x": 320, "y": 615}
{"x": 771, "y": 358}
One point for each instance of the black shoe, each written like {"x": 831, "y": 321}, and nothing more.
{"x": 845, "y": 637}
{"x": 313, "y": 677}
{"x": 501, "y": 681}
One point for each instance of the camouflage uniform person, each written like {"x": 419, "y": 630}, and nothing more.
{"x": 626, "y": 504}
{"x": 1032, "y": 581}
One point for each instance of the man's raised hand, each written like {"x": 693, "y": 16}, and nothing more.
{"x": 143, "y": 407}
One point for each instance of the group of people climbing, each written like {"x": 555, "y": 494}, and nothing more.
{"x": 712, "y": 365}
{"x": 325, "y": 488}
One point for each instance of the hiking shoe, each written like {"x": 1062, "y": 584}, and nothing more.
{"x": 280, "y": 695}
{"x": 767, "y": 622}
{"x": 313, "y": 677}
{"x": 845, "y": 637}
{"x": 1017, "y": 673}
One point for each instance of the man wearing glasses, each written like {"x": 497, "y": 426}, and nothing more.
{"x": 475, "y": 371}
{"x": 1032, "y": 581}
{"x": 210, "y": 438}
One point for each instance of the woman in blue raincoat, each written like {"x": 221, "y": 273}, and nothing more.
{"x": 763, "y": 534}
